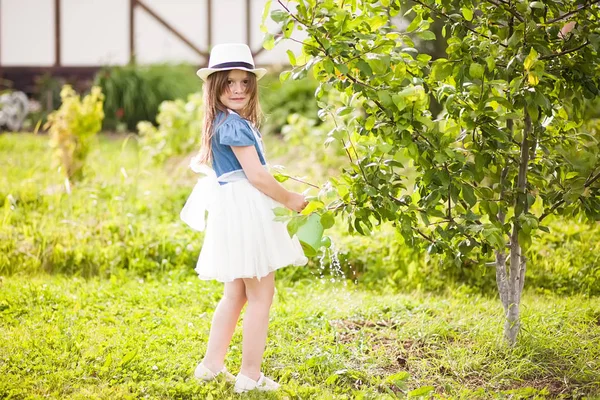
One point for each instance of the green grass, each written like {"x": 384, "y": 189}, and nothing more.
{"x": 126, "y": 337}
{"x": 98, "y": 299}
{"x": 124, "y": 215}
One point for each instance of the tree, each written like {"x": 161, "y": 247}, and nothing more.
{"x": 510, "y": 147}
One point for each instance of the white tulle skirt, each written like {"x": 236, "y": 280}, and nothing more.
{"x": 242, "y": 239}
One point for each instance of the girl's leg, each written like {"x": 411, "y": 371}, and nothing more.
{"x": 256, "y": 322}
{"x": 223, "y": 324}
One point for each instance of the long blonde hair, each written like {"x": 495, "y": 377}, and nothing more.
{"x": 216, "y": 84}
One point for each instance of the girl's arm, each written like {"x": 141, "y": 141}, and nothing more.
{"x": 264, "y": 181}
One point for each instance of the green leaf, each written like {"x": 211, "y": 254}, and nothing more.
{"x": 364, "y": 67}
{"x": 426, "y": 35}
{"x": 524, "y": 238}
{"x": 515, "y": 40}
{"x": 265, "y": 14}
{"x": 312, "y": 207}
{"x": 530, "y": 59}
{"x": 377, "y": 22}
{"x": 289, "y": 29}
{"x": 414, "y": 24}
{"x": 343, "y": 68}
{"x": 280, "y": 177}
{"x": 476, "y": 70}
{"x": 468, "y": 194}
{"x": 344, "y": 111}
{"x": 493, "y": 207}
{"x": 292, "y": 57}
{"x": 467, "y": 13}
{"x": 293, "y": 225}
{"x": 370, "y": 122}
{"x": 108, "y": 361}
{"x": 422, "y": 391}
{"x": 278, "y": 15}
{"x": 327, "y": 220}
{"x": 441, "y": 69}
{"x": 537, "y": 4}
{"x": 399, "y": 379}
{"x": 284, "y": 76}
{"x": 385, "y": 98}
{"x": 497, "y": 240}
{"x": 399, "y": 101}
{"x": 130, "y": 356}
{"x": 491, "y": 63}
{"x": 282, "y": 211}
{"x": 378, "y": 66}
{"x": 328, "y": 65}
{"x": 269, "y": 41}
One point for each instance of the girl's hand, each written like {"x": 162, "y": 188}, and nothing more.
{"x": 296, "y": 202}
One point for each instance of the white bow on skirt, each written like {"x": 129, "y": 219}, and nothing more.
{"x": 203, "y": 195}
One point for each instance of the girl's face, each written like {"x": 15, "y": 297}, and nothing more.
{"x": 236, "y": 96}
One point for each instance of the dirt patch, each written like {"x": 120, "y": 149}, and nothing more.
{"x": 401, "y": 353}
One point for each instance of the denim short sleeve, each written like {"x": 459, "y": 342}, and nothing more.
{"x": 234, "y": 132}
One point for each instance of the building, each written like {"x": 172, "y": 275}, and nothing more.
{"x": 74, "y": 38}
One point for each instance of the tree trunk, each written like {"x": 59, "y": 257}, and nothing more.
{"x": 512, "y": 324}
{"x": 501, "y": 276}
{"x": 513, "y": 286}
{"x": 510, "y": 280}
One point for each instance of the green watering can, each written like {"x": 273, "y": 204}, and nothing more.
{"x": 311, "y": 236}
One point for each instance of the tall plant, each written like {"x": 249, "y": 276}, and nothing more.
{"x": 73, "y": 127}
{"x": 509, "y": 148}
{"x": 178, "y": 132}
{"x": 135, "y": 92}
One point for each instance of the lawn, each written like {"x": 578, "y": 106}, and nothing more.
{"x": 98, "y": 299}
{"x": 128, "y": 337}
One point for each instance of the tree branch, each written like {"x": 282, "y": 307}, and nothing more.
{"x": 562, "y": 53}
{"x": 467, "y": 27}
{"x": 289, "y": 12}
{"x": 510, "y": 10}
{"x": 591, "y": 180}
{"x": 299, "y": 41}
{"x": 572, "y": 12}
{"x": 588, "y": 183}
{"x": 423, "y": 235}
{"x": 301, "y": 181}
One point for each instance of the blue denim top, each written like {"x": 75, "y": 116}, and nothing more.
{"x": 233, "y": 131}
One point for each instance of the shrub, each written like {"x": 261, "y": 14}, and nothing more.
{"x": 134, "y": 93}
{"x": 280, "y": 100}
{"x": 73, "y": 127}
{"x": 178, "y": 132}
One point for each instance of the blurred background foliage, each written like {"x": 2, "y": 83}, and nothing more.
{"x": 134, "y": 93}
{"x": 124, "y": 213}
{"x": 124, "y": 216}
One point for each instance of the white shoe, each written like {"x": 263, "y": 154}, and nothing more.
{"x": 245, "y": 384}
{"x": 202, "y": 372}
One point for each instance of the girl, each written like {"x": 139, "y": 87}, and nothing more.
{"x": 243, "y": 245}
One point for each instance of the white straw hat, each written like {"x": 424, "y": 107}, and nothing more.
{"x": 230, "y": 56}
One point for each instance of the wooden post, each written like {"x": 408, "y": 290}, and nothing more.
{"x": 209, "y": 25}
{"x": 1, "y": 74}
{"x": 132, "y": 4}
{"x": 57, "y": 56}
{"x": 0, "y": 42}
{"x": 248, "y": 27}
